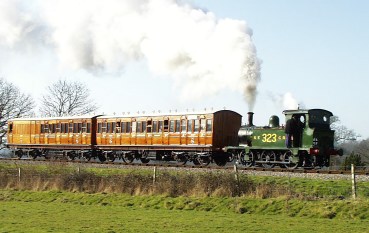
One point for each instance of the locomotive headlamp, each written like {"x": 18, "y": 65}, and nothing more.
{"x": 314, "y": 151}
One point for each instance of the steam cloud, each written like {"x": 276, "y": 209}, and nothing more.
{"x": 201, "y": 53}
{"x": 286, "y": 101}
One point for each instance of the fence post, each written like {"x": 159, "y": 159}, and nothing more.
{"x": 353, "y": 181}
{"x": 154, "y": 176}
{"x": 237, "y": 179}
{"x": 19, "y": 175}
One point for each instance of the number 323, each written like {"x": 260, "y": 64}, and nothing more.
{"x": 268, "y": 137}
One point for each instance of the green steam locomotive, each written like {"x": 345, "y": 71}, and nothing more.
{"x": 305, "y": 140}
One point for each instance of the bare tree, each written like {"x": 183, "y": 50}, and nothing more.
{"x": 13, "y": 104}
{"x": 67, "y": 99}
{"x": 342, "y": 133}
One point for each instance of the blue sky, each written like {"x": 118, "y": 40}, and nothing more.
{"x": 314, "y": 52}
{"x": 317, "y": 50}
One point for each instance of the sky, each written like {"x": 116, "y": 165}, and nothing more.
{"x": 263, "y": 56}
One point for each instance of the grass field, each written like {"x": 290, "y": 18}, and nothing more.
{"x": 51, "y": 211}
{"x": 61, "y": 199}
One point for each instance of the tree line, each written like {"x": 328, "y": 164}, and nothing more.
{"x": 62, "y": 98}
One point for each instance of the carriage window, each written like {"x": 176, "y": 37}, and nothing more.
{"x": 202, "y": 124}
{"x": 171, "y": 126}
{"x": 70, "y": 128}
{"x": 178, "y": 126}
{"x": 88, "y": 127}
{"x": 196, "y": 126}
{"x": 183, "y": 125}
{"x": 75, "y": 128}
{"x": 84, "y": 127}
{"x": 155, "y": 126}
{"x": 209, "y": 125}
{"x": 143, "y": 126}
{"x": 99, "y": 127}
{"x": 103, "y": 127}
{"x": 166, "y": 125}
{"x": 189, "y": 126}
{"x": 117, "y": 127}
{"x": 58, "y": 128}
{"x": 149, "y": 122}
{"x": 52, "y": 128}
{"x": 10, "y": 128}
{"x": 108, "y": 127}
{"x": 139, "y": 127}
{"x": 62, "y": 129}
{"x": 44, "y": 128}
{"x": 124, "y": 127}
{"x": 160, "y": 126}
{"x": 128, "y": 127}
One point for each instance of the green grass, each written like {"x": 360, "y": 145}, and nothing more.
{"x": 24, "y": 211}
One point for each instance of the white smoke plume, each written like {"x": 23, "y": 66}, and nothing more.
{"x": 285, "y": 101}
{"x": 200, "y": 52}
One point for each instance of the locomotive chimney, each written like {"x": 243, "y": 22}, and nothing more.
{"x": 250, "y": 118}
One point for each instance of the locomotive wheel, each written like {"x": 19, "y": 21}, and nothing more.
{"x": 246, "y": 162}
{"x": 268, "y": 159}
{"x": 128, "y": 158}
{"x": 221, "y": 161}
{"x": 288, "y": 161}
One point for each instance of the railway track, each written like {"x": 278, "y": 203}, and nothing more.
{"x": 229, "y": 166}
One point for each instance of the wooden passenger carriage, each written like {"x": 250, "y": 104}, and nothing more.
{"x": 195, "y": 136}
{"x": 34, "y": 136}
{"x": 185, "y": 135}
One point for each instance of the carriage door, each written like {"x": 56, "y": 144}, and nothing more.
{"x": 133, "y": 132}
{"x": 58, "y": 133}
{"x": 166, "y": 131}
{"x": 45, "y": 132}
{"x": 84, "y": 139}
{"x": 149, "y": 131}
{"x": 183, "y": 137}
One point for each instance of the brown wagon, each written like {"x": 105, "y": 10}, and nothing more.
{"x": 195, "y": 136}
{"x": 37, "y": 136}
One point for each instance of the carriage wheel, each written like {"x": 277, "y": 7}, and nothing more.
{"x": 181, "y": 159}
{"x": 268, "y": 159}
{"x": 101, "y": 157}
{"x": 202, "y": 160}
{"x": 111, "y": 157}
{"x": 71, "y": 156}
{"x": 144, "y": 158}
{"x": 19, "y": 154}
{"x": 86, "y": 156}
{"x": 128, "y": 158}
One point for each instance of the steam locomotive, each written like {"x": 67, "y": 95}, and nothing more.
{"x": 311, "y": 144}
{"x": 197, "y": 137}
